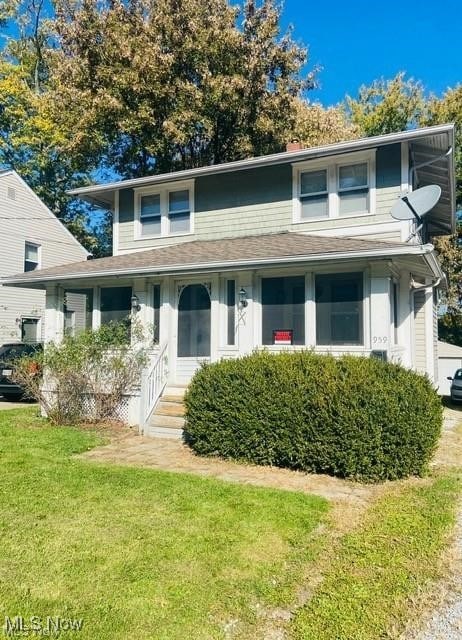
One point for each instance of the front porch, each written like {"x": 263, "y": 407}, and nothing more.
{"x": 202, "y": 301}
{"x": 364, "y": 308}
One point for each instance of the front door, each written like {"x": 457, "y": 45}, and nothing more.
{"x": 194, "y": 320}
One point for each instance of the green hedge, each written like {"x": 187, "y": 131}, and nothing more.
{"x": 348, "y": 417}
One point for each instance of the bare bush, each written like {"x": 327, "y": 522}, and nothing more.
{"x": 85, "y": 377}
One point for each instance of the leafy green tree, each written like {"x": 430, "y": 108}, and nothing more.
{"x": 166, "y": 85}
{"x": 387, "y": 106}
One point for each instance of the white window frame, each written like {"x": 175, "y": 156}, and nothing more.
{"x": 39, "y": 326}
{"x": 332, "y": 165}
{"x": 39, "y": 253}
{"x": 163, "y": 191}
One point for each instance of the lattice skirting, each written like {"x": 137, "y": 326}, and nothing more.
{"x": 127, "y": 411}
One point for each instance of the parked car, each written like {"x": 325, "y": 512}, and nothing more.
{"x": 456, "y": 386}
{"x": 8, "y": 354}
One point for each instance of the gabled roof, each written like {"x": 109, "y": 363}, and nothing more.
{"x": 228, "y": 254}
{"x": 447, "y": 350}
{"x": 42, "y": 206}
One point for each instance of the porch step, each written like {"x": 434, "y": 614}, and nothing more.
{"x": 164, "y": 432}
{"x": 161, "y": 420}
{"x": 167, "y": 420}
{"x": 169, "y": 407}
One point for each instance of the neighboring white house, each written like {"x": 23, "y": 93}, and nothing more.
{"x": 287, "y": 251}
{"x": 31, "y": 238}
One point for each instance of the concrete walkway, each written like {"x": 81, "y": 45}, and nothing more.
{"x": 4, "y": 404}
{"x": 173, "y": 455}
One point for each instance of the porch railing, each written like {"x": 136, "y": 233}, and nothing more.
{"x": 153, "y": 381}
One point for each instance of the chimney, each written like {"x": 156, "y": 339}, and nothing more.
{"x": 294, "y": 145}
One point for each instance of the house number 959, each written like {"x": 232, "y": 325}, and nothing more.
{"x": 379, "y": 339}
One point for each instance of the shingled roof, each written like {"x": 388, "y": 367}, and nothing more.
{"x": 212, "y": 255}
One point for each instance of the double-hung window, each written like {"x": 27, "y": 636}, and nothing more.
{"x": 314, "y": 194}
{"x": 164, "y": 211}
{"x": 335, "y": 188}
{"x": 179, "y": 211}
{"x": 150, "y": 215}
{"x": 353, "y": 188}
{"x": 31, "y": 256}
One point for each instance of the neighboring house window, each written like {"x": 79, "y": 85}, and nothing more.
{"x": 156, "y": 305}
{"x": 334, "y": 188}
{"x": 339, "y": 309}
{"x": 283, "y": 308}
{"x": 29, "y": 330}
{"x": 150, "y": 216}
{"x": 231, "y": 312}
{"x": 165, "y": 211}
{"x": 78, "y": 310}
{"x": 31, "y": 256}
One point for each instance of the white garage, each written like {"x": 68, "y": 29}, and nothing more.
{"x": 449, "y": 359}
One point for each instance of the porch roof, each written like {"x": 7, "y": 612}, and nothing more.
{"x": 225, "y": 254}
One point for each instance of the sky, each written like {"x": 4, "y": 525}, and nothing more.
{"x": 358, "y": 41}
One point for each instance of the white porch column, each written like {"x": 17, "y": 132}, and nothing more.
{"x": 54, "y": 316}
{"x": 215, "y": 318}
{"x": 405, "y": 320}
{"x": 380, "y": 318}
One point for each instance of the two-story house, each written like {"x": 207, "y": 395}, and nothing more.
{"x": 287, "y": 251}
{"x": 32, "y": 238}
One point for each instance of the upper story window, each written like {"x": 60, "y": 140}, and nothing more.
{"x": 334, "y": 188}
{"x": 164, "y": 211}
{"x": 31, "y": 256}
{"x": 150, "y": 216}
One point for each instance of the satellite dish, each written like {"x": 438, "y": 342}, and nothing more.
{"x": 414, "y": 205}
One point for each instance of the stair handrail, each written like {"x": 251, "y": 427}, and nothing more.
{"x": 153, "y": 380}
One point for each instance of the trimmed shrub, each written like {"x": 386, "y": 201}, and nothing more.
{"x": 350, "y": 417}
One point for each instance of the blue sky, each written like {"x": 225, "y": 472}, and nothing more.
{"x": 358, "y": 41}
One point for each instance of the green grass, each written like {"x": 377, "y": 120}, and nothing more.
{"x": 139, "y": 553}
{"x": 369, "y": 589}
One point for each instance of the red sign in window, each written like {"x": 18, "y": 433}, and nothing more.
{"x": 283, "y": 336}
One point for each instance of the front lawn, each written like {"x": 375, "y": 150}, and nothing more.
{"x": 148, "y": 554}
{"x": 141, "y": 553}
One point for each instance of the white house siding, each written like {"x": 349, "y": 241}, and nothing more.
{"x": 27, "y": 219}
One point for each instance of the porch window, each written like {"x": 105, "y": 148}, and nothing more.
{"x": 31, "y": 256}
{"x": 353, "y": 189}
{"x": 283, "y": 308}
{"x": 78, "y": 310}
{"x": 179, "y": 211}
{"x": 156, "y": 306}
{"x": 116, "y": 304}
{"x": 231, "y": 312}
{"x": 314, "y": 194}
{"x": 339, "y": 309}
{"x": 150, "y": 215}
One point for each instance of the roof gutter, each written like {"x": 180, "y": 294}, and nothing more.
{"x": 263, "y": 161}
{"x": 426, "y": 250}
